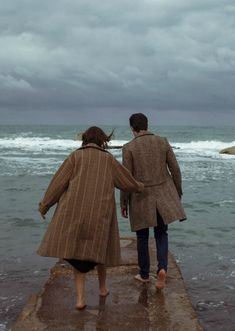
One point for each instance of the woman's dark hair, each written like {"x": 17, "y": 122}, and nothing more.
{"x": 96, "y": 136}
{"x": 138, "y": 122}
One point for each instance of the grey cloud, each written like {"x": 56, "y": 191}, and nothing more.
{"x": 161, "y": 55}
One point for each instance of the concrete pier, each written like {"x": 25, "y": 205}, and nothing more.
{"x": 130, "y": 305}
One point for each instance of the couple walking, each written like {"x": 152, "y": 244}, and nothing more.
{"x": 84, "y": 228}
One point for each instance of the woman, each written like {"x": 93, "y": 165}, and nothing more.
{"x": 84, "y": 229}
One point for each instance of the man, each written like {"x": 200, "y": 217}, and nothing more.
{"x": 151, "y": 160}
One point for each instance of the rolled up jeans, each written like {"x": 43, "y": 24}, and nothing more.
{"x": 161, "y": 239}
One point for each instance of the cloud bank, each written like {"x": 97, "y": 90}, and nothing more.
{"x": 107, "y": 56}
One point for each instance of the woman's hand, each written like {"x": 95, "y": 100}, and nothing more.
{"x": 40, "y": 209}
{"x": 42, "y": 215}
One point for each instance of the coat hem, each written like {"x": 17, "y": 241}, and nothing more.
{"x": 112, "y": 264}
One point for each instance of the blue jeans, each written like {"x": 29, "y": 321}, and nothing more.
{"x": 161, "y": 238}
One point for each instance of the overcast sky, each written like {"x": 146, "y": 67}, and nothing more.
{"x": 90, "y": 61}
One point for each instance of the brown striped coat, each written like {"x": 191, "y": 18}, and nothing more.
{"x": 84, "y": 225}
{"x": 151, "y": 160}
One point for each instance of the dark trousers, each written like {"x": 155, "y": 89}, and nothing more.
{"x": 161, "y": 239}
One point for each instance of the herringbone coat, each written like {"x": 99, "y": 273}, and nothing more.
{"x": 151, "y": 160}
{"x": 84, "y": 225}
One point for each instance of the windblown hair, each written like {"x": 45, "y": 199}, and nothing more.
{"x": 96, "y": 136}
{"x": 138, "y": 122}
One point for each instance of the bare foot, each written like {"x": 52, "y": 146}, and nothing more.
{"x": 80, "y": 306}
{"x": 104, "y": 292}
{"x": 161, "y": 279}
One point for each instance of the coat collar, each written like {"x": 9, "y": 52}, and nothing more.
{"x": 92, "y": 145}
{"x": 146, "y": 133}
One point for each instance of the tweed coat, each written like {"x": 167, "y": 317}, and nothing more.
{"x": 84, "y": 225}
{"x": 151, "y": 160}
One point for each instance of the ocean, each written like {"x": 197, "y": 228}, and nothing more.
{"x": 203, "y": 246}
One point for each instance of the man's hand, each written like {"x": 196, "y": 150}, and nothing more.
{"x": 124, "y": 211}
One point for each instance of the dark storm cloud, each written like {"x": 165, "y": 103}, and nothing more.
{"x": 147, "y": 54}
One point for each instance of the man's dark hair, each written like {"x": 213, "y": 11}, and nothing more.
{"x": 138, "y": 122}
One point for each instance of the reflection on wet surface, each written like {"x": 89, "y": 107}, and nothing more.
{"x": 129, "y": 305}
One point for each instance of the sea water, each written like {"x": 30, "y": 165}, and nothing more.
{"x": 203, "y": 246}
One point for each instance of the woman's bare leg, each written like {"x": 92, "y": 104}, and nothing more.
{"x": 101, "y": 268}
{"x": 80, "y": 279}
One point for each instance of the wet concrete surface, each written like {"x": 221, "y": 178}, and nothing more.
{"x": 130, "y": 305}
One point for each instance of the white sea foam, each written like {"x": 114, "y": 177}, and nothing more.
{"x": 205, "y": 146}
{"x": 40, "y": 144}
{"x": 3, "y": 327}
{"x": 226, "y": 202}
{"x": 46, "y": 143}
{"x": 33, "y": 155}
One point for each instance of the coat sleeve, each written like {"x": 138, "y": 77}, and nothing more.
{"x": 123, "y": 179}
{"x": 127, "y": 162}
{"x": 57, "y": 186}
{"x": 174, "y": 168}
